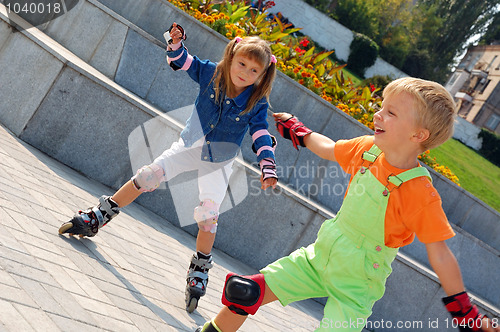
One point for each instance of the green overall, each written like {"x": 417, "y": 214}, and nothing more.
{"x": 349, "y": 262}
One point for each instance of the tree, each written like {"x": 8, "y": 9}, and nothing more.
{"x": 493, "y": 33}
{"x": 460, "y": 20}
{"x": 421, "y": 37}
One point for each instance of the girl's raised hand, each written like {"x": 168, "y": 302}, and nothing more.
{"x": 176, "y": 34}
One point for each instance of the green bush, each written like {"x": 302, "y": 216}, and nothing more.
{"x": 364, "y": 53}
{"x": 491, "y": 146}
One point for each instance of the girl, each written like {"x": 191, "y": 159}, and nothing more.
{"x": 233, "y": 98}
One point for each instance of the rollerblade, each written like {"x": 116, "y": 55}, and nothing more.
{"x": 197, "y": 279}
{"x": 88, "y": 222}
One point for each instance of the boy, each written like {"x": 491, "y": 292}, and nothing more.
{"x": 390, "y": 199}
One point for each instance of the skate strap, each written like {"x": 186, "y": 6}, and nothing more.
{"x": 105, "y": 204}
{"x": 202, "y": 263}
{"x": 198, "y": 274}
{"x": 99, "y": 216}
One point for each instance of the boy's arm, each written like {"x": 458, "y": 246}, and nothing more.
{"x": 457, "y": 302}
{"x": 301, "y": 135}
{"x": 445, "y": 265}
{"x": 321, "y": 145}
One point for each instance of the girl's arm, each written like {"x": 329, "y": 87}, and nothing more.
{"x": 263, "y": 146}
{"x": 178, "y": 58}
{"x": 319, "y": 144}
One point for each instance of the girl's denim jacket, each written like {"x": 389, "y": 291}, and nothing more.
{"x": 221, "y": 124}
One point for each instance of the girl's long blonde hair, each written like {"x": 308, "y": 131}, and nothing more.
{"x": 257, "y": 50}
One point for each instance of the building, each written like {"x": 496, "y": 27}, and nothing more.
{"x": 476, "y": 87}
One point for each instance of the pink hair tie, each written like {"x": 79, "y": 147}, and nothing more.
{"x": 237, "y": 39}
{"x": 273, "y": 59}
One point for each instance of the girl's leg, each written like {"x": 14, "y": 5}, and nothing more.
{"x": 205, "y": 242}
{"x": 126, "y": 194}
{"x": 227, "y": 321}
{"x": 212, "y": 185}
{"x": 213, "y": 181}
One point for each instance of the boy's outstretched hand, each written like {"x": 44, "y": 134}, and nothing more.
{"x": 489, "y": 325}
{"x": 291, "y": 128}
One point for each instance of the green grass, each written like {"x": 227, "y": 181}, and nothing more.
{"x": 476, "y": 174}
{"x": 355, "y": 79}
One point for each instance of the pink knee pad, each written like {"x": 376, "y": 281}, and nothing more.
{"x": 148, "y": 178}
{"x": 206, "y": 215}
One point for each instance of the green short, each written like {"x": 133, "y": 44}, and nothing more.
{"x": 335, "y": 267}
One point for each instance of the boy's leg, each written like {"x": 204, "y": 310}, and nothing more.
{"x": 228, "y": 321}
{"x": 291, "y": 278}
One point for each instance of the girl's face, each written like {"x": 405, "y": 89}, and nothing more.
{"x": 244, "y": 72}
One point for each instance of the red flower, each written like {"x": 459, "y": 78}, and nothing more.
{"x": 304, "y": 43}
{"x": 372, "y": 87}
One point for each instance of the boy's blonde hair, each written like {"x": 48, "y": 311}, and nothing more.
{"x": 257, "y": 50}
{"x": 435, "y": 108}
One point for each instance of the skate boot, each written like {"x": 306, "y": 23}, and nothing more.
{"x": 197, "y": 279}
{"x": 88, "y": 222}
{"x": 208, "y": 327}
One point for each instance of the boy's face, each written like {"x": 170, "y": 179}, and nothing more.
{"x": 395, "y": 123}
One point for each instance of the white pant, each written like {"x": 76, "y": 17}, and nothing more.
{"x": 213, "y": 178}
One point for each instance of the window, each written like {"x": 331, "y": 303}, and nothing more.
{"x": 452, "y": 80}
{"x": 492, "y": 122}
{"x": 491, "y": 62}
{"x": 484, "y": 85}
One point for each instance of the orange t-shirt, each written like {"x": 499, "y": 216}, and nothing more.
{"x": 413, "y": 208}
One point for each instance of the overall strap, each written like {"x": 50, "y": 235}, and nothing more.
{"x": 408, "y": 175}
{"x": 395, "y": 181}
{"x": 370, "y": 156}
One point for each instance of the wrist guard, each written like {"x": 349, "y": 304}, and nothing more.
{"x": 293, "y": 130}
{"x": 268, "y": 168}
{"x": 466, "y": 315}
